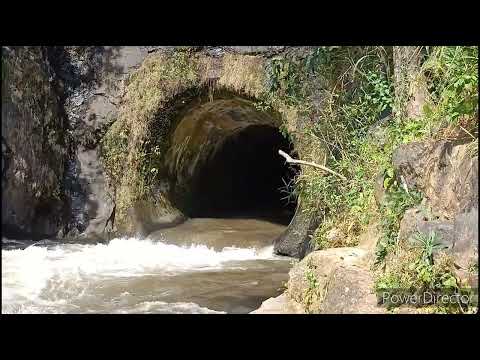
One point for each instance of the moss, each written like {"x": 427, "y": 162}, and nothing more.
{"x": 244, "y": 74}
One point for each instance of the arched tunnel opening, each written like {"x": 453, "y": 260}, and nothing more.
{"x": 223, "y": 163}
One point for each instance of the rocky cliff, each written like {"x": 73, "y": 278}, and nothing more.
{"x": 34, "y": 146}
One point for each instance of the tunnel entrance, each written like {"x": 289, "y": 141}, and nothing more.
{"x": 224, "y": 163}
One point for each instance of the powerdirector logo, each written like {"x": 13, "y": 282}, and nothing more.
{"x": 397, "y": 297}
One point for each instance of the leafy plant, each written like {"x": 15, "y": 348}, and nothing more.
{"x": 428, "y": 244}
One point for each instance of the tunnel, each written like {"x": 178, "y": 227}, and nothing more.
{"x": 223, "y": 162}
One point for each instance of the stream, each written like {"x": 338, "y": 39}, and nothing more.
{"x": 200, "y": 266}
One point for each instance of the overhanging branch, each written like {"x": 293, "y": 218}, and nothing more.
{"x": 321, "y": 167}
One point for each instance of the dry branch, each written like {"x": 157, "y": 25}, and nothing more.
{"x": 293, "y": 161}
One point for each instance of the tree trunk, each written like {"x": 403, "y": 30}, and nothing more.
{"x": 410, "y": 88}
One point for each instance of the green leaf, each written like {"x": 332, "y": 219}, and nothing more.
{"x": 450, "y": 282}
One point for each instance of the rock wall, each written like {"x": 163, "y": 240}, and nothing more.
{"x": 91, "y": 82}
{"x": 34, "y": 145}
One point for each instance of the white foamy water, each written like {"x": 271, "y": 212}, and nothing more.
{"x": 124, "y": 276}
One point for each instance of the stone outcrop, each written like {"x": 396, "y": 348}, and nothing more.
{"x": 447, "y": 175}
{"x": 331, "y": 281}
{"x": 279, "y": 305}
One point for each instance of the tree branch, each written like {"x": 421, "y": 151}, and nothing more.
{"x": 324, "y": 168}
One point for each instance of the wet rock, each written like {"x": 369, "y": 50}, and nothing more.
{"x": 33, "y": 146}
{"x": 296, "y": 240}
{"x": 93, "y": 79}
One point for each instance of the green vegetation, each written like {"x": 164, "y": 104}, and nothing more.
{"x": 357, "y": 91}
{"x": 452, "y": 78}
{"x": 353, "y": 122}
{"x": 413, "y": 271}
{"x": 312, "y": 291}
{"x": 396, "y": 203}
{"x": 356, "y": 131}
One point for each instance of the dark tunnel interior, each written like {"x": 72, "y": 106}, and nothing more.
{"x": 245, "y": 178}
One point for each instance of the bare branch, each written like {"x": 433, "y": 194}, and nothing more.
{"x": 324, "y": 168}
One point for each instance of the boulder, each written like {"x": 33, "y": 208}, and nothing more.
{"x": 351, "y": 292}
{"x": 409, "y": 161}
{"x": 309, "y": 279}
{"x": 416, "y": 221}
{"x": 296, "y": 240}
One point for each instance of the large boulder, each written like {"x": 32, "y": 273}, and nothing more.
{"x": 351, "y": 292}
{"x": 279, "y": 305}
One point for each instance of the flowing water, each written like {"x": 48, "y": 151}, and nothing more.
{"x": 201, "y": 266}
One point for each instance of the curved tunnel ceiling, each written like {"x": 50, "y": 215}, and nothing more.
{"x": 223, "y": 161}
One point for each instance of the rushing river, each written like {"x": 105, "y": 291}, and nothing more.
{"x": 201, "y": 266}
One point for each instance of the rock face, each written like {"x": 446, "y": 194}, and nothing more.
{"x": 91, "y": 82}
{"x": 330, "y": 281}
{"x": 443, "y": 171}
{"x": 33, "y": 146}
{"x": 448, "y": 177}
